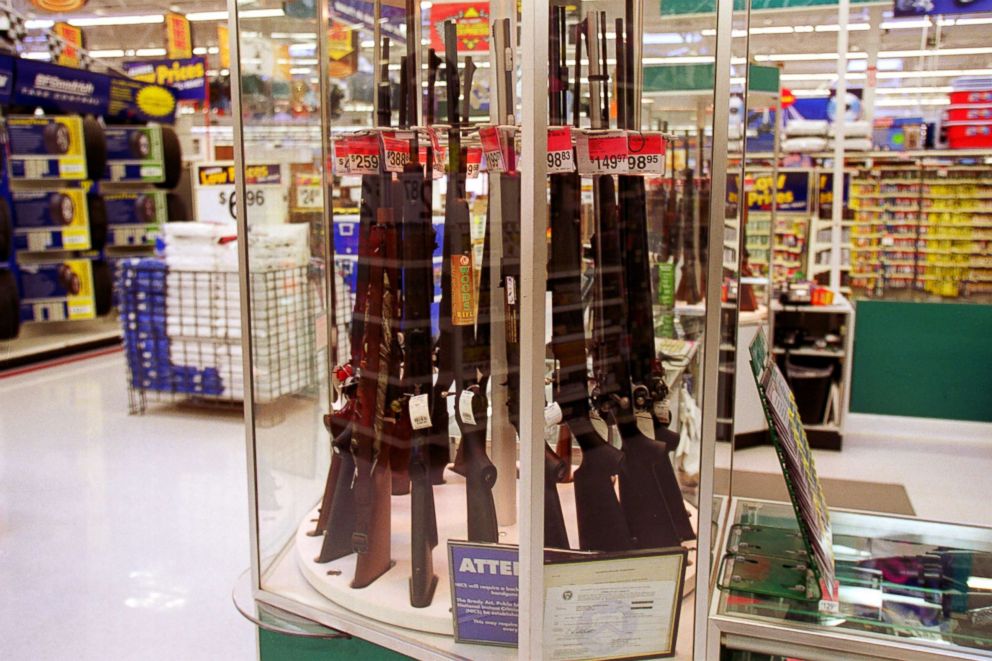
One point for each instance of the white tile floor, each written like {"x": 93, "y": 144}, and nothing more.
{"x": 121, "y": 536}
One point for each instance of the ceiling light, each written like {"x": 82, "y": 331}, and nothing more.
{"x": 199, "y": 50}
{"x": 150, "y": 52}
{"x": 812, "y": 93}
{"x": 294, "y": 35}
{"x": 968, "y": 21}
{"x": 821, "y": 76}
{"x": 38, "y": 24}
{"x": 680, "y": 59}
{"x": 773, "y": 29}
{"x": 144, "y": 19}
{"x": 851, "y": 27}
{"x": 936, "y": 73}
{"x": 914, "y": 90}
{"x": 894, "y": 103}
{"x": 300, "y": 70}
{"x": 37, "y": 55}
{"x": 944, "y": 52}
{"x": 106, "y": 53}
{"x": 913, "y": 24}
{"x": 306, "y": 60}
{"x": 261, "y": 13}
{"x": 207, "y": 16}
{"x": 807, "y": 57}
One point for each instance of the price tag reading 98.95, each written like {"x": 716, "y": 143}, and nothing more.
{"x": 363, "y": 153}
{"x": 602, "y": 152}
{"x": 492, "y": 148}
{"x": 645, "y": 153}
{"x": 473, "y": 159}
{"x": 396, "y": 152}
{"x": 560, "y": 154}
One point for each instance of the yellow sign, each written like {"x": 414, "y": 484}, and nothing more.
{"x": 342, "y": 51}
{"x": 71, "y": 42}
{"x": 179, "y": 39}
{"x": 155, "y": 101}
{"x": 171, "y": 73}
{"x": 59, "y": 6}
{"x": 224, "y": 46}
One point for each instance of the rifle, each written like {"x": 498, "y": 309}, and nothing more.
{"x": 689, "y": 286}
{"x": 418, "y": 281}
{"x": 469, "y": 345}
{"x": 649, "y": 490}
{"x": 376, "y": 426}
{"x": 602, "y": 526}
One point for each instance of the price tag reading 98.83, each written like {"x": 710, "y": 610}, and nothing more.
{"x": 560, "y": 154}
{"x": 363, "y": 152}
{"x": 473, "y": 160}
{"x": 396, "y": 151}
{"x": 645, "y": 153}
{"x": 492, "y": 147}
{"x": 602, "y": 152}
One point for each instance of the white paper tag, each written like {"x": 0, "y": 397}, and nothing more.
{"x": 465, "y": 407}
{"x": 829, "y": 607}
{"x": 511, "y": 290}
{"x": 420, "y": 414}
{"x": 342, "y": 158}
{"x": 492, "y": 148}
{"x": 560, "y": 153}
{"x": 363, "y": 153}
{"x": 645, "y": 153}
{"x": 396, "y": 151}
{"x": 552, "y": 414}
{"x": 601, "y": 152}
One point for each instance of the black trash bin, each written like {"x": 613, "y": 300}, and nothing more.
{"x": 810, "y": 378}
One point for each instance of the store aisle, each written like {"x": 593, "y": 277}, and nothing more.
{"x": 120, "y": 536}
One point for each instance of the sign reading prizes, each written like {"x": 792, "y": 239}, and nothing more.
{"x": 485, "y": 592}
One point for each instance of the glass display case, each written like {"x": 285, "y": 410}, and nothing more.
{"x": 909, "y": 589}
{"x": 518, "y": 321}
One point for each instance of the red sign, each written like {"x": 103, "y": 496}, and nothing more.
{"x": 471, "y": 24}
{"x": 787, "y": 97}
{"x": 178, "y": 38}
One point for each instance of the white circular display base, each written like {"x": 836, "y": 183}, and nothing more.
{"x": 387, "y": 599}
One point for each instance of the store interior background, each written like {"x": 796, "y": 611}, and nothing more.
{"x": 122, "y": 533}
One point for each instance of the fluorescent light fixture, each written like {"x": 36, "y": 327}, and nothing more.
{"x": 897, "y": 103}
{"x": 817, "y": 93}
{"x": 37, "y": 55}
{"x": 833, "y": 27}
{"x": 886, "y": 91}
{"x": 667, "y": 38}
{"x": 150, "y": 52}
{"x": 107, "y": 53}
{"x": 299, "y": 50}
{"x": 967, "y": 21}
{"x": 38, "y": 24}
{"x": 804, "y": 28}
{"x": 208, "y": 16}
{"x": 979, "y": 583}
{"x": 936, "y": 73}
{"x": 820, "y": 76}
{"x": 912, "y": 24}
{"x": 942, "y": 52}
{"x": 857, "y": 55}
{"x": 807, "y": 57}
{"x": 294, "y": 35}
{"x": 199, "y": 50}
{"x": 299, "y": 71}
{"x": 144, "y": 19}
{"x": 369, "y": 44}
{"x": 260, "y": 13}
{"x": 680, "y": 59}
{"x": 773, "y": 29}
{"x": 306, "y": 60}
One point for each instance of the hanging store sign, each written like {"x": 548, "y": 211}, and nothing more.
{"x": 178, "y": 38}
{"x": 791, "y": 193}
{"x": 939, "y": 7}
{"x": 224, "y": 46}
{"x": 471, "y": 24}
{"x": 59, "y": 6}
{"x": 361, "y": 13}
{"x": 342, "y": 50}
{"x": 71, "y": 43}
{"x": 187, "y": 77}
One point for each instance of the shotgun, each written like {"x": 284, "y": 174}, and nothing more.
{"x": 602, "y": 525}
{"x": 418, "y": 293}
{"x": 469, "y": 309}
{"x": 649, "y": 490}
{"x": 376, "y": 424}
{"x": 689, "y": 285}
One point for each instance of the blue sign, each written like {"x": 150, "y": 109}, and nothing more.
{"x": 187, "y": 78}
{"x": 6, "y": 78}
{"x": 484, "y": 592}
{"x": 939, "y": 7}
{"x": 791, "y": 191}
{"x": 60, "y": 88}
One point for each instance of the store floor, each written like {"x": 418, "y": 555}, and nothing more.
{"x": 121, "y": 536}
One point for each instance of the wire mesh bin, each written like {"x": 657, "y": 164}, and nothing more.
{"x": 182, "y": 333}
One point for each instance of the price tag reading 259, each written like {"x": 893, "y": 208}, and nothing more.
{"x": 560, "y": 155}
{"x": 645, "y": 153}
{"x": 363, "y": 152}
{"x": 602, "y": 152}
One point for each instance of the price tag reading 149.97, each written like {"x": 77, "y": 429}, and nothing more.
{"x": 602, "y": 152}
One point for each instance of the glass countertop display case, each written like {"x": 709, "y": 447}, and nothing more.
{"x": 908, "y": 589}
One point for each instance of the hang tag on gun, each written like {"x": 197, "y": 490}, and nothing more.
{"x": 420, "y": 414}
{"x": 473, "y": 160}
{"x": 560, "y": 155}
{"x": 465, "y": 407}
{"x": 645, "y": 153}
{"x": 552, "y": 415}
{"x": 492, "y": 148}
{"x": 601, "y": 152}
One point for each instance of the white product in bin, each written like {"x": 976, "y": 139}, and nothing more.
{"x": 806, "y": 127}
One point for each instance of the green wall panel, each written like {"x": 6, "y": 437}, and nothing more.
{"x": 925, "y": 360}
{"x": 279, "y": 647}
{"x": 676, "y": 7}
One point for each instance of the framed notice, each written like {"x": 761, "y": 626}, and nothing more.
{"x": 610, "y": 606}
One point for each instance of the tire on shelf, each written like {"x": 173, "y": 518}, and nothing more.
{"x": 103, "y": 287}
{"x": 98, "y": 221}
{"x": 56, "y": 138}
{"x": 6, "y": 230}
{"x": 172, "y": 155}
{"x": 10, "y": 312}
{"x": 178, "y": 211}
{"x": 61, "y": 208}
{"x": 96, "y": 148}
{"x": 139, "y": 144}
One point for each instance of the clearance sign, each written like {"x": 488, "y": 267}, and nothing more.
{"x": 72, "y": 41}
{"x": 187, "y": 77}
{"x": 472, "y": 25}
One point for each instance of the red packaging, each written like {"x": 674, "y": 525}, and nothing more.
{"x": 972, "y": 135}
{"x": 975, "y": 113}
{"x": 969, "y": 97}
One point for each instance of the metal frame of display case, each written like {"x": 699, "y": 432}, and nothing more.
{"x": 823, "y": 643}
{"x": 534, "y": 28}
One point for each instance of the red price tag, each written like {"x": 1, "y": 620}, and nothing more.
{"x": 396, "y": 152}
{"x": 363, "y": 152}
{"x": 645, "y": 153}
{"x": 342, "y": 157}
{"x": 492, "y": 147}
{"x": 473, "y": 160}
{"x": 561, "y": 157}
{"x": 602, "y": 152}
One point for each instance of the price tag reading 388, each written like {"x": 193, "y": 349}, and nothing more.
{"x": 396, "y": 152}
{"x": 602, "y": 152}
{"x": 560, "y": 154}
